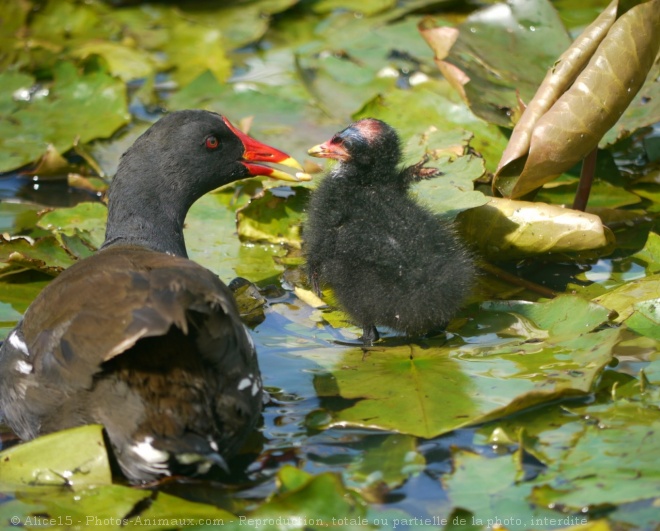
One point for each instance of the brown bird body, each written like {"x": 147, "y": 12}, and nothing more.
{"x": 137, "y": 337}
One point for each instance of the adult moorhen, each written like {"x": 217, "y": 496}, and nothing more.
{"x": 137, "y": 337}
{"x": 388, "y": 260}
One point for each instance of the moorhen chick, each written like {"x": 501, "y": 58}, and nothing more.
{"x": 137, "y": 337}
{"x": 389, "y": 261}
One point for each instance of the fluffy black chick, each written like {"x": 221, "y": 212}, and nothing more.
{"x": 389, "y": 261}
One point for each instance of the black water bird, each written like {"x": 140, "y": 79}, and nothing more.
{"x": 137, "y": 337}
{"x": 389, "y": 261}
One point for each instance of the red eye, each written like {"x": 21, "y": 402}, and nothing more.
{"x": 212, "y": 142}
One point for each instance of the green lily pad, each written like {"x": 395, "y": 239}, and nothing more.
{"x": 611, "y": 461}
{"x": 45, "y": 255}
{"x": 308, "y": 502}
{"x": 645, "y": 318}
{"x": 123, "y": 61}
{"x": 452, "y": 192}
{"x": 211, "y": 239}
{"x": 111, "y": 507}
{"x": 75, "y": 458}
{"x": 71, "y": 110}
{"x": 624, "y": 298}
{"x": 482, "y": 57}
{"x": 274, "y": 219}
{"x": 389, "y": 464}
{"x": 489, "y": 490}
{"x": 650, "y": 253}
{"x": 85, "y": 218}
{"x": 602, "y": 195}
{"x": 539, "y": 354}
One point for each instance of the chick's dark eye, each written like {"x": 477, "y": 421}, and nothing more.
{"x": 212, "y": 142}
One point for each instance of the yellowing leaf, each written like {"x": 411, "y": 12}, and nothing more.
{"x": 504, "y": 229}
{"x": 576, "y": 104}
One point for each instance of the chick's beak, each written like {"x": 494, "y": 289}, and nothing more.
{"x": 259, "y": 152}
{"x": 328, "y": 150}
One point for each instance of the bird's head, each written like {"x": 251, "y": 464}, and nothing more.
{"x": 193, "y": 152}
{"x": 368, "y": 144}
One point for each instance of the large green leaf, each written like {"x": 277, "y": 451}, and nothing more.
{"x": 74, "y": 458}
{"x": 489, "y": 490}
{"x": 538, "y": 354}
{"x": 78, "y": 106}
{"x": 498, "y": 53}
{"x": 307, "y": 502}
{"x": 611, "y": 461}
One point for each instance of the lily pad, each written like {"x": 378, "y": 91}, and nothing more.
{"x": 506, "y": 229}
{"x": 74, "y": 458}
{"x": 452, "y": 192}
{"x": 482, "y": 57}
{"x": 70, "y": 111}
{"x": 540, "y": 356}
{"x": 272, "y": 218}
{"x": 489, "y": 490}
{"x": 389, "y": 464}
{"x": 624, "y": 298}
{"x": 611, "y": 461}
{"x": 211, "y": 239}
{"x": 85, "y": 218}
{"x": 309, "y": 502}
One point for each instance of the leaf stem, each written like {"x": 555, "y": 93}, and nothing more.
{"x": 586, "y": 180}
{"x": 517, "y": 281}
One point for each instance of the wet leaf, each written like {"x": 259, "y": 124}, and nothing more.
{"x": 577, "y": 102}
{"x": 610, "y": 461}
{"x": 45, "y": 255}
{"x": 390, "y": 463}
{"x": 624, "y": 298}
{"x": 73, "y": 458}
{"x": 452, "y": 192}
{"x": 274, "y": 217}
{"x": 538, "y": 355}
{"x": 506, "y": 229}
{"x": 69, "y": 111}
{"x": 123, "y": 61}
{"x": 87, "y": 219}
{"x": 212, "y": 241}
{"x": 488, "y": 489}
{"x": 482, "y": 57}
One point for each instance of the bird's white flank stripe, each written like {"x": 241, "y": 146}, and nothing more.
{"x": 23, "y": 367}
{"x": 244, "y": 384}
{"x": 147, "y": 452}
{"x": 18, "y": 343}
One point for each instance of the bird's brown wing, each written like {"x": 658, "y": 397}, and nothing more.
{"x": 102, "y": 306}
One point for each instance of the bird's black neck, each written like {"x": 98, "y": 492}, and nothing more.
{"x": 149, "y": 217}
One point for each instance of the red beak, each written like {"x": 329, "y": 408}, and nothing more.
{"x": 256, "y": 151}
